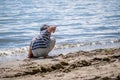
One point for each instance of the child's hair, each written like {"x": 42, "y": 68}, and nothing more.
{"x": 44, "y": 27}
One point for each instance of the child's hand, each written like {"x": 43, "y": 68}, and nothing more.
{"x": 54, "y": 28}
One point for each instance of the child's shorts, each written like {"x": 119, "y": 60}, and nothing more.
{"x": 43, "y": 52}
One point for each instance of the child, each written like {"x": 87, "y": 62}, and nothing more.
{"x": 42, "y": 44}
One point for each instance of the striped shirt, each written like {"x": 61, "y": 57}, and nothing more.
{"x": 41, "y": 40}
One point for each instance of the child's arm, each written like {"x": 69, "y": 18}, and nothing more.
{"x": 52, "y": 29}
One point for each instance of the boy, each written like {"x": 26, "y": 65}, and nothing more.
{"x": 42, "y": 44}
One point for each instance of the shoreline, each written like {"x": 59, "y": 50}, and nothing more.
{"x": 98, "y": 64}
{"x": 21, "y": 53}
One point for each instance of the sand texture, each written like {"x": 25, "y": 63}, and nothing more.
{"x": 100, "y": 64}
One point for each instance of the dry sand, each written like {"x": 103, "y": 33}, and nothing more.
{"x": 100, "y": 64}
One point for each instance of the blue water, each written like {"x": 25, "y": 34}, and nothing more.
{"x": 78, "y": 21}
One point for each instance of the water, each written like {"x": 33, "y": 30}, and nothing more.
{"x": 79, "y": 23}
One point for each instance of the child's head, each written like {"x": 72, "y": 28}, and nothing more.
{"x": 44, "y": 27}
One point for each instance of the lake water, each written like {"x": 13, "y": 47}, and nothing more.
{"x": 79, "y": 23}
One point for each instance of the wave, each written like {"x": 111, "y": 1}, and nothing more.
{"x": 15, "y": 51}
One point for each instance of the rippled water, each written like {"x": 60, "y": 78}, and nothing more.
{"x": 80, "y": 22}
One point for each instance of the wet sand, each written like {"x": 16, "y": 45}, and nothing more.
{"x": 99, "y": 64}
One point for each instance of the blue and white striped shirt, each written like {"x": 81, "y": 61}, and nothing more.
{"x": 42, "y": 40}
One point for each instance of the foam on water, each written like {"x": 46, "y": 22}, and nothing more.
{"x": 15, "y": 51}
{"x": 21, "y": 53}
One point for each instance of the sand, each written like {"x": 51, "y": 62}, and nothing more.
{"x": 100, "y": 64}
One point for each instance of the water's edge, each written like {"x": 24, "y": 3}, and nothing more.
{"x": 21, "y": 53}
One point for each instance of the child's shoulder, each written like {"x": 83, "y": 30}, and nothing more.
{"x": 44, "y": 32}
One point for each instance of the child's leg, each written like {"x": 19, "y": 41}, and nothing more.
{"x": 52, "y": 43}
{"x": 30, "y": 54}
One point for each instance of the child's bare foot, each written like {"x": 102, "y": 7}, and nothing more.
{"x": 45, "y": 57}
{"x": 26, "y": 59}
{"x": 48, "y": 56}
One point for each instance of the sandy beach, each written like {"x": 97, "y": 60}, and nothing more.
{"x": 100, "y": 64}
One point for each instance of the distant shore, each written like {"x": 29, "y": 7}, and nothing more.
{"x": 101, "y": 64}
